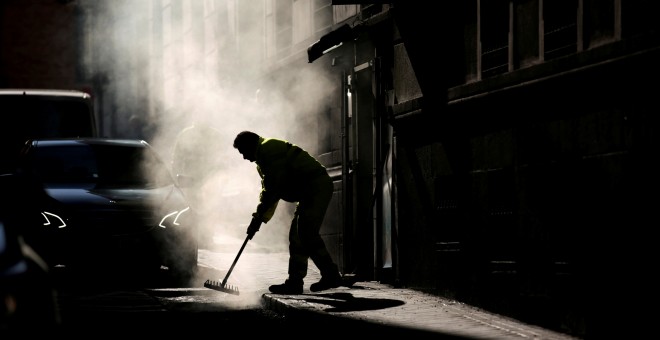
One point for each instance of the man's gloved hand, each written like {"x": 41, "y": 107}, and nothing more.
{"x": 254, "y": 226}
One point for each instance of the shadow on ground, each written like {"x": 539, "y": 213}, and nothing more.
{"x": 346, "y": 302}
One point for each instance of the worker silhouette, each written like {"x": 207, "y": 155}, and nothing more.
{"x": 290, "y": 173}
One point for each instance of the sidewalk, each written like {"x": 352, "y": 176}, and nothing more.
{"x": 369, "y": 303}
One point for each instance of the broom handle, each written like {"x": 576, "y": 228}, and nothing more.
{"x": 235, "y": 260}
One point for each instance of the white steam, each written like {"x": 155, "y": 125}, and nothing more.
{"x": 209, "y": 79}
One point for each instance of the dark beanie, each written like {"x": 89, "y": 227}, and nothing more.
{"x": 245, "y": 139}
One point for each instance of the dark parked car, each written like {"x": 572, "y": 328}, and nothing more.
{"x": 109, "y": 203}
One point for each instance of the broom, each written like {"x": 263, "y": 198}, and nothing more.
{"x": 223, "y": 287}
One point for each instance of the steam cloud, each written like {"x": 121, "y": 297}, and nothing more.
{"x": 217, "y": 85}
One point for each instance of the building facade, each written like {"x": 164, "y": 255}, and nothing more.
{"x": 499, "y": 152}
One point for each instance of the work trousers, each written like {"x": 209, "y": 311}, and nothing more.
{"x": 305, "y": 242}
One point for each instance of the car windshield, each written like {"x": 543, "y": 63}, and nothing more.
{"x": 100, "y": 165}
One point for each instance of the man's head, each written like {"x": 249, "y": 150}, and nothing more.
{"x": 246, "y": 143}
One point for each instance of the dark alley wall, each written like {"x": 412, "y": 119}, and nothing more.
{"x": 525, "y": 193}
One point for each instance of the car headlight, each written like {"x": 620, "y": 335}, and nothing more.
{"x": 52, "y": 219}
{"x": 172, "y": 218}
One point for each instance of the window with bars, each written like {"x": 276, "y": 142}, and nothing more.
{"x": 283, "y": 27}
{"x": 494, "y": 37}
{"x": 322, "y": 15}
{"x": 291, "y": 22}
{"x": 565, "y": 27}
{"x": 560, "y": 28}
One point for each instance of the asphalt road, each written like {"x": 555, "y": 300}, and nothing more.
{"x": 128, "y": 303}
{"x": 159, "y": 306}
{"x": 106, "y": 303}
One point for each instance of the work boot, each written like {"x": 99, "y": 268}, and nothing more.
{"x": 291, "y": 287}
{"x": 327, "y": 282}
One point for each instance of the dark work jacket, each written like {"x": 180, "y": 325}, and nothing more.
{"x": 287, "y": 172}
